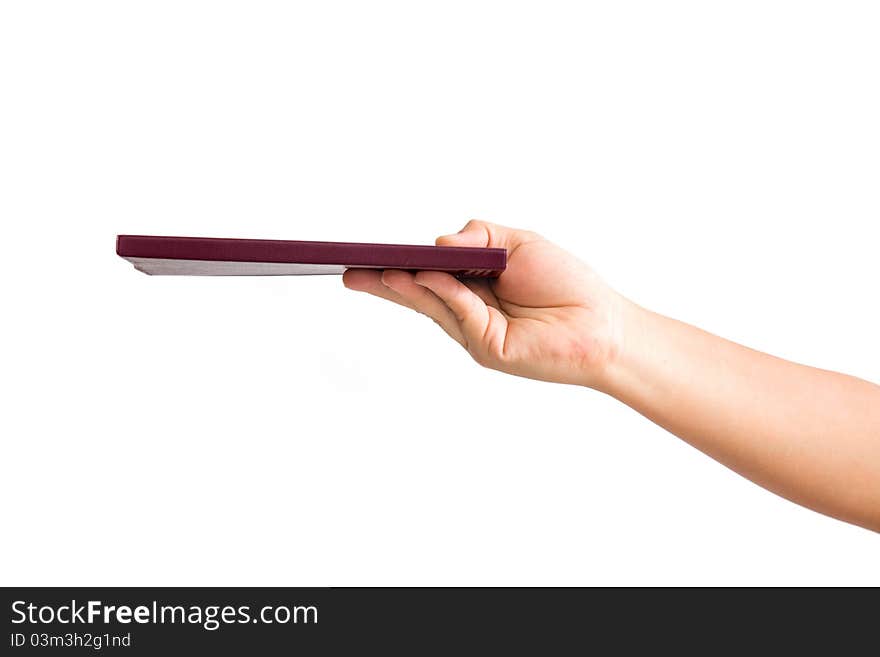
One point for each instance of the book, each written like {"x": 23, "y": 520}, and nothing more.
{"x": 212, "y": 256}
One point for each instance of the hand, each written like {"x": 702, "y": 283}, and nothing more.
{"x": 548, "y": 316}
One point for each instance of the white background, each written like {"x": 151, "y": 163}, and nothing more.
{"x": 717, "y": 162}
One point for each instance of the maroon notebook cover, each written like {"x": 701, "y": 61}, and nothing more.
{"x": 211, "y": 256}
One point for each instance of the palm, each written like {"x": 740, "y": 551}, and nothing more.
{"x": 556, "y": 314}
{"x": 548, "y": 316}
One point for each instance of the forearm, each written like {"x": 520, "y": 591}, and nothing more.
{"x": 810, "y": 435}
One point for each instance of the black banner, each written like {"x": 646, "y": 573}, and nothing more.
{"x": 136, "y": 621}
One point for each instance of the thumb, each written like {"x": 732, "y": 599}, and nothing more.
{"x": 485, "y": 234}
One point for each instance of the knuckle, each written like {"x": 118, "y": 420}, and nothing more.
{"x": 531, "y": 236}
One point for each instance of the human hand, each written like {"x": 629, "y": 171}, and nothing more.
{"x": 548, "y": 316}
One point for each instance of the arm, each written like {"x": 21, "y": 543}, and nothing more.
{"x": 810, "y": 435}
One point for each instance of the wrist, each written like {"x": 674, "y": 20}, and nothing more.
{"x": 630, "y": 344}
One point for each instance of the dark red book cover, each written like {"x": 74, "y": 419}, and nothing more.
{"x": 212, "y": 256}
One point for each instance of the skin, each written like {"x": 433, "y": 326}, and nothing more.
{"x": 810, "y": 435}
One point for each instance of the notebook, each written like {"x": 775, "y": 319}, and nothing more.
{"x": 212, "y": 256}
